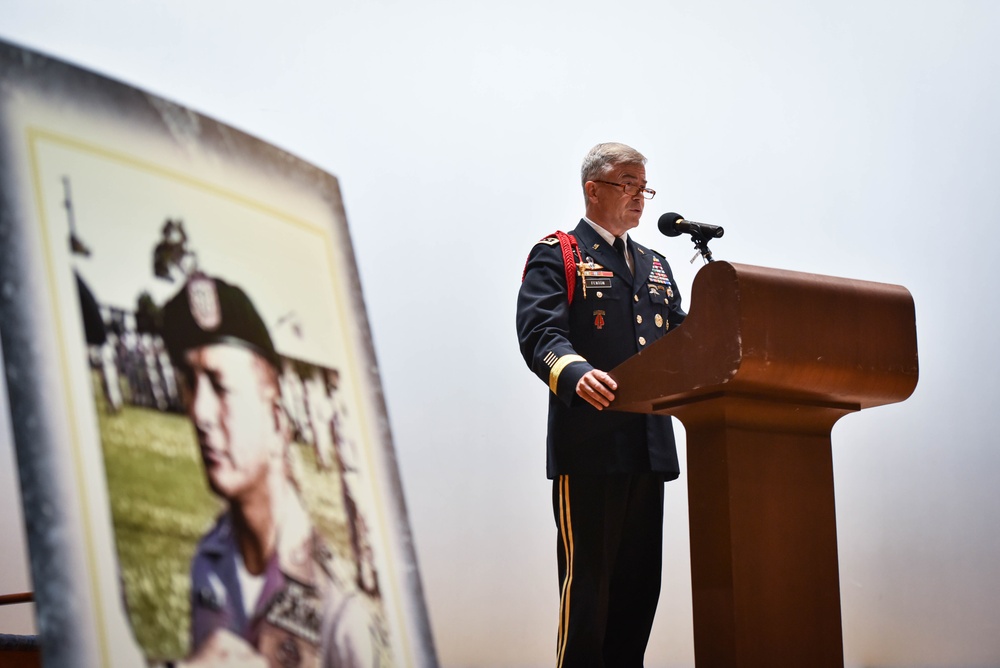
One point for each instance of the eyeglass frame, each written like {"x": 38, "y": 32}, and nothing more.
{"x": 626, "y": 186}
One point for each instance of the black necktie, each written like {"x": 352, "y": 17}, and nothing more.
{"x": 620, "y": 247}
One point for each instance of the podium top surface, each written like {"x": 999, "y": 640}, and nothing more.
{"x": 779, "y": 335}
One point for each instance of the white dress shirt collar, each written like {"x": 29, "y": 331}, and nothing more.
{"x": 610, "y": 238}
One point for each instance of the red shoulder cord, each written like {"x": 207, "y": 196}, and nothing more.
{"x": 569, "y": 248}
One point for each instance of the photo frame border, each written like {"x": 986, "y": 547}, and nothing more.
{"x": 56, "y": 532}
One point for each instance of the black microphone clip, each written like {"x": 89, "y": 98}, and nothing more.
{"x": 673, "y": 224}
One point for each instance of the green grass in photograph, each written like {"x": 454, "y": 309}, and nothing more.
{"x": 161, "y": 506}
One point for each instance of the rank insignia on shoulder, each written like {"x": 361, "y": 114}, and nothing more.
{"x": 549, "y": 241}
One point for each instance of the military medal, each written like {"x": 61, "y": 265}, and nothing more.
{"x": 656, "y": 274}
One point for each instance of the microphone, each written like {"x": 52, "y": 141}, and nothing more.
{"x": 673, "y": 224}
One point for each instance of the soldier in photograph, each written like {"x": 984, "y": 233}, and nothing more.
{"x": 263, "y": 583}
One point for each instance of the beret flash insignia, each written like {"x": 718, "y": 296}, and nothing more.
{"x": 204, "y": 300}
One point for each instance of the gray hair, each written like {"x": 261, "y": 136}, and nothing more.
{"x": 604, "y": 157}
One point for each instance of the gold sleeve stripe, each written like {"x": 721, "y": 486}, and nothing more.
{"x": 557, "y": 369}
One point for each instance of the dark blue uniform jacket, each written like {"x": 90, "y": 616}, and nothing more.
{"x": 612, "y": 317}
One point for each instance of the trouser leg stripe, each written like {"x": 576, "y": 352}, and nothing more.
{"x": 566, "y": 533}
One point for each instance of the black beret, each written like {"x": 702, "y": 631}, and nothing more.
{"x": 207, "y": 311}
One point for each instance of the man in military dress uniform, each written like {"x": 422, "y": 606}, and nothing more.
{"x": 588, "y": 301}
{"x": 262, "y": 582}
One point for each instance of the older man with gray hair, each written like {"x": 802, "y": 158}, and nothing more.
{"x": 589, "y": 300}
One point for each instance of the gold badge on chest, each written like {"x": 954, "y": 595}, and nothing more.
{"x": 593, "y": 275}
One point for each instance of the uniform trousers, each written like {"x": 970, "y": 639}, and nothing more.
{"x": 610, "y": 542}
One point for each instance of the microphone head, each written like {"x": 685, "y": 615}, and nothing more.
{"x": 667, "y": 222}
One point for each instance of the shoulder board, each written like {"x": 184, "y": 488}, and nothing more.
{"x": 567, "y": 246}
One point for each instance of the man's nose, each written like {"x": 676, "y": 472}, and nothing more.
{"x": 204, "y": 403}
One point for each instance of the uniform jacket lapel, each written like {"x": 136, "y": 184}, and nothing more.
{"x": 592, "y": 244}
{"x": 643, "y": 260}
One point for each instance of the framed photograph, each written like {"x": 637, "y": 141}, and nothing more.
{"x": 205, "y": 458}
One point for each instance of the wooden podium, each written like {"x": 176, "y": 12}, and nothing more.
{"x": 766, "y": 362}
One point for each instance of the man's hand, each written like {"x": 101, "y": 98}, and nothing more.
{"x": 597, "y": 388}
{"x": 224, "y": 649}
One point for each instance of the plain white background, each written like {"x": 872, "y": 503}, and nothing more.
{"x": 857, "y": 139}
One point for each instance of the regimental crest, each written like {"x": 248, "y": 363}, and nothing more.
{"x": 204, "y": 301}
{"x": 599, "y": 319}
{"x": 657, "y": 274}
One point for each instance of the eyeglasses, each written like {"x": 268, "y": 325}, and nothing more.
{"x": 631, "y": 189}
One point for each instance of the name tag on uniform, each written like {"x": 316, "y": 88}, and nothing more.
{"x": 597, "y": 279}
{"x": 297, "y": 611}
{"x": 594, "y": 276}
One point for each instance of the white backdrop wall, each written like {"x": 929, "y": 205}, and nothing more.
{"x": 857, "y": 139}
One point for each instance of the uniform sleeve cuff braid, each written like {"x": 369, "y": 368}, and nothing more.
{"x": 557, "y": 369}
